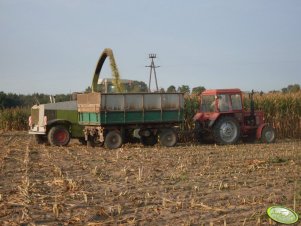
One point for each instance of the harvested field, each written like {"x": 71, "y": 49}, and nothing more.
{"x": 184, "y": 185}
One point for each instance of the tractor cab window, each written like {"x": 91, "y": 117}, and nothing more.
{"x": 223, "y": 102}
{"x": 208, "y": 103}
{"x": 236, "y": 102}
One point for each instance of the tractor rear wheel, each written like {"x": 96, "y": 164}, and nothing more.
{"x": 59, "y": 136}
{"x": 226, "y": 130}
{"x": 268, "y": 134}
{"x": 168, "y": 137}
{"x": 113, "y": 140}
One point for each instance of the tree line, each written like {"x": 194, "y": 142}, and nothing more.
{"x": 12, "y": 100}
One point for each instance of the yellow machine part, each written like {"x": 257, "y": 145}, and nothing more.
{"x": 115, "y": 73}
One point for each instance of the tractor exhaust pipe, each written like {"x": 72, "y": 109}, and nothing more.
{"x": 252, "y": 108}
{"x": 252, "y": 118}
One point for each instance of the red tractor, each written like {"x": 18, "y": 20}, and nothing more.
{"x": 223, "y": 119}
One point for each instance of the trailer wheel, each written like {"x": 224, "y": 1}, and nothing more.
{"x": 226, "y": 130}
{"x": 58, "y": 136}
{"x": 268, "y": 135}
{"x": 150, "y": 140}
{"x": 82, "y": 141}
{"x": 113, "y": 140}
{"x": 93, "y": 141}
{"x": 168, "y": 137}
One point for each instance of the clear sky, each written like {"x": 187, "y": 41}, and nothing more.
{"x": 53, "y": 46}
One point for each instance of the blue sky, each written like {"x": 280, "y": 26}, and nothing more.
{"x": 53, "y": 46}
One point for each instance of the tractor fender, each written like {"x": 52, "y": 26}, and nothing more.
{"x": 53, "y": 122}
{"x": 198, "y": 116}
{"x": 259, "y": 130}
{"x": 212, "y": 117}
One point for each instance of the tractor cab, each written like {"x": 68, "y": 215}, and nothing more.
{"x": 223, "y": 118}
{"x": 221, "y": 100}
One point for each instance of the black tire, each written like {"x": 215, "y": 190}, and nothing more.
{"x": 197, "y": 132}
{"x": 150, "y": 140}
{"x": 40, "y": 139}
{"x": 90, "y": 142}
{"x": 113, "y": 140}
{"x": 58, "y": 136}
{"x": 82, "y": 141}
{"x": 268, "y": 134}
{"x": 93, "y": 141}
{"x": 226, "y": 130}
{"x": 168, "y": 137}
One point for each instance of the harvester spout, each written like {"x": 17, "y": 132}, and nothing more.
{"x": 115, "y": 73}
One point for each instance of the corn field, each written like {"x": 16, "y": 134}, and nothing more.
{"x": 283, "y": 111}
{"x": 14, "y": 119}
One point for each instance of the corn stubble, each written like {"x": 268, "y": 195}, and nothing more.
{"x": 184, "y": 185}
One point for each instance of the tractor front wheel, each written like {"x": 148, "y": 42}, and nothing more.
{"x": 226, "y": 130}
{"x": 58, "y": 136}
{"x": 268, "y": 134}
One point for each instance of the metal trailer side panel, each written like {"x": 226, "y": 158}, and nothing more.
{"x": 133, "y": 108}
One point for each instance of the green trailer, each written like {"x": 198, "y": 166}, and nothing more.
{"x": 113, "y": 119}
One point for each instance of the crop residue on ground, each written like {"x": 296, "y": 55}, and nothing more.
{"x": 184, "y": 185}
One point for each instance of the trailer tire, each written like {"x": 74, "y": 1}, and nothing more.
{"x": 268, "y": 135}
{"x": 59, "y": 136}
{"x": 150, "y": 140}
{"x": 93, "y": 141}
{"x": 168, "y": 137}
{"x": 226, "y": 130}
{"x": 113, "y": 140}
{"x": 82, "y": 141}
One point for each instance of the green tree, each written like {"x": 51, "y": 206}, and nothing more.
{"x": 88, "y": 89}
{"x": 171, "y": 89}
{"x": 184, "y": 89}
{"x": 284, "y": 90}
{"x": 198, "y": 90}
{"x": 291, "y": 88}
{"x": 137, "y": 86}
{"x": 294, "y": 88}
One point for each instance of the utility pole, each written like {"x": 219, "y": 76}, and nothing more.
{"x": 152, "y": 66}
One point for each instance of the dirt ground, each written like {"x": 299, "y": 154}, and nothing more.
{"x": 185, "y": 185}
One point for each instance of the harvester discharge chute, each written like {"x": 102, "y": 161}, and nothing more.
{"x": 115, "y": 73}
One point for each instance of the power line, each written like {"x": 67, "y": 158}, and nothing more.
{"x": 152, "y": 67}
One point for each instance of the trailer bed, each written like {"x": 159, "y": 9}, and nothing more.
{"x": 130, "y": 108}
